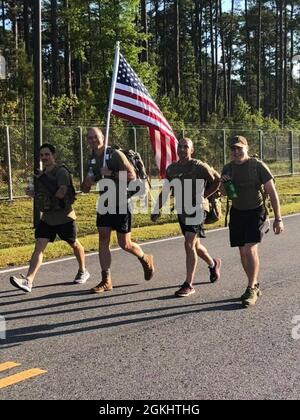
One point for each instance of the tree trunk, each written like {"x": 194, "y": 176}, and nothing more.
{"x": 165, "y": 68}
{"x": 206, "y": 80}
{"x": 26, "y": 28}
{"x": 54, "y": 50}
{"x": 77, "y": 75}
{"x": 156, "y": 8}
{"x": 14, "y": 22}
{"x": 248, "y": 57}
{"x": 258, "y": 73}
{"x": 177, "y": 49}
{"x": 292, "y": 47}
{"x": 285, "y": 53}
{"x": 216, "y": 53}
{"x": 281, "y": 61}
{"x": 198, "y": 54}
{"x": 225, "y": 86}
{"x": 230, "y": 61}
{"x": 68, "y": 65}
{"x": 212, "y": 46}
{"x": 144, "y": 24}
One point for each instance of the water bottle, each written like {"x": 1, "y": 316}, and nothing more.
{"x": 230, "y": 189}
{"x": 90, "y": 173}
{"x": 30, "y": 184}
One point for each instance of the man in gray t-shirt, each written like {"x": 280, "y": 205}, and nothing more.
{"x": 189, "y": 172}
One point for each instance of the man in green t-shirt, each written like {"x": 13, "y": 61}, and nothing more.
{"x": 54, "y": 198}
{"x": 112, "y": 214}
{"x": 187, "y": 178}
{"x": 251, "y": 179}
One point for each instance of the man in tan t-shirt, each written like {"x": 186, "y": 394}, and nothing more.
{"x": 54, "y": 199}
{"x": 251, "y": 179}
{"x": 188, "y": 172}
{"x": 118, "y": 217}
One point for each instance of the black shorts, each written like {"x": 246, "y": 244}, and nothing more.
{"x": 67, "y": 232}
{"x": 246, "y": 226}
{"x": 197, "y": 229}
{"x": 119, "y": 222}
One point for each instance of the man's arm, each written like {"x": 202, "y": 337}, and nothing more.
{"x": 63, "y": 181}
{"x": 61, "y": 192}
{"x": 271, "y": 191}
{"x": 214, "y": 185}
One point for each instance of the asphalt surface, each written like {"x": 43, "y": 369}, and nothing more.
{"x": 141, "y": 342}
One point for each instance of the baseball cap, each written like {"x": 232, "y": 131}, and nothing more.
{"x": 238, "y": 141}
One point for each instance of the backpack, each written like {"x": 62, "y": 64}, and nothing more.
{"x": 46, "y": 193}
{"x": 213, "y": 206}
{"x": 136, "y": 161}
{"x": 214, "y": 211}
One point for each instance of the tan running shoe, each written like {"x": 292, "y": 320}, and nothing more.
{"x": 105, "y": 285}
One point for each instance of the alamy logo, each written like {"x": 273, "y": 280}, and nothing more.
{"x": 296, "y": 328}
{"x": 2, "y": 328}
{"x": 188, "y": 195}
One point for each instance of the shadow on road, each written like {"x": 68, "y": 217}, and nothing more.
{"x": 30, "y": 333}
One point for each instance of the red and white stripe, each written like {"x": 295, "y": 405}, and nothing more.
{"x": 135, "y": 106}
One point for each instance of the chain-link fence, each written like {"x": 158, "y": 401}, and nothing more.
{"x": 280, "y": 150}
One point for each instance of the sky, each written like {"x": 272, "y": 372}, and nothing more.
{"x": 226, "y": 4}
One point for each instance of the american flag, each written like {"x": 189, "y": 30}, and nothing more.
{"x": 132, "y": 102}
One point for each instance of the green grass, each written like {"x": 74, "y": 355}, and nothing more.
{"x": 279, "y": 168}
{"x": 17, "y": 235}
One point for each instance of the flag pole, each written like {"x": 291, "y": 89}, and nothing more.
{"x": 111, "y": 98}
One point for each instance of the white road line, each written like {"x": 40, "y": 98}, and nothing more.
{"x": 92, "y": 254}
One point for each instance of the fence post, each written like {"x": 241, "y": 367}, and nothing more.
{"x": 134, "y": 138}
{"x": 261, "y": 144}
{"x": 9, "y": 172}
{"x": 291, "y": 138}
{"x": 224, "y": 147}
{"x": 81, "y": 155}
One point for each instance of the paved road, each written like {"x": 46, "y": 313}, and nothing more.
{"x": 140, "y": 342}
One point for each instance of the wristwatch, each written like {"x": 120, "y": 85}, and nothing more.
{"x": 278, "y": 220}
